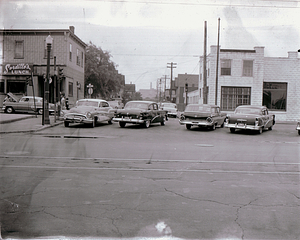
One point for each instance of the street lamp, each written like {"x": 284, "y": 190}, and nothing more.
{"x": 49, "y": 41}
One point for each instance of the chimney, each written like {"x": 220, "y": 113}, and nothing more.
{"x": 72, "y": 29}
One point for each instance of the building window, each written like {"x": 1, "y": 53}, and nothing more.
{"x": 1, "y": 87}
{"x": 248, "y": 68}
{"x": 45, "y": 49}
{"x": 225, "y": 67}
{"x": 77, "y": 58}
{"x": 232, "y": 97}
{"x": 14, "y": 86}
{"x": 82, "y": 56}
{"x": 70, "y": 89}
{"x": 70, "y": 53}
{"x": 19, "y": 49}
{"x": 274, "y": 96}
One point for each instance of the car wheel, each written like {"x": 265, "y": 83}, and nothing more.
{"x": 299, "y": 132}
{"x": 162, "y": 123}
{"x": 122, "y": 124}
{"x": 232, "y": 130}
{"x": 66, "y": 124}
{"x": 147, "y": 124}
{"x": 260, "y": 131}
{"x": 9, "y": 110}
{"x": 93, "y": 123}
{"x": 188, "y": 126}
{"x": 40, "y": 111}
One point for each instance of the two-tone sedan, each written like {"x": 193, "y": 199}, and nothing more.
{"x": 248, "y": 117}
{"x": 26, "y": 104}
{"x": 202, "y": 115}
{"x": 140, "y": 112}
{"x": 88, "y": 111}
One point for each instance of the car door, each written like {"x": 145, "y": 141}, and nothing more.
{"x": 156, "y": 116}
{"x": 103, "y": 111}
{"x": 216, "y": 114}
{"x": 23, "y": 105}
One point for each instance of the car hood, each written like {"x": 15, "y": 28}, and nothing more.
{"x": 196, "y": 115}
{"x": 81, "y": 109}
{"x": 14, "y": 97}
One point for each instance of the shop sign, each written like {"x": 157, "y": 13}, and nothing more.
{"x": 17, "y": 69}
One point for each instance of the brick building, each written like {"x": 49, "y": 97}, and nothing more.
{"x": 247, "y": 77}
{"x": 23, "y": 53}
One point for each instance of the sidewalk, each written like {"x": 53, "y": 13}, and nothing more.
{"x": 17, "y": 123}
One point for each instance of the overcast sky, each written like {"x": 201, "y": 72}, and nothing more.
{"x": 143, "y": 36}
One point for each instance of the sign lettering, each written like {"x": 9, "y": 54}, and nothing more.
{"x": 17, "y": 69}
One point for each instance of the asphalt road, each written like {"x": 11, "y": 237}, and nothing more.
{"x": 112, "y": 182}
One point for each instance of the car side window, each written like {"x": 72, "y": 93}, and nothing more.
{"x": 104, "y": 104}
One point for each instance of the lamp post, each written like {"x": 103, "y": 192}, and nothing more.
{"x": 49, "y": 41}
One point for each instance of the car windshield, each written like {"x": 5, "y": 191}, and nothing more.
{"x": 247, "y": 110}
{"x": 87, "y": 103}
{"x": 139, "y": 105}
{"x": 197, "y": 108}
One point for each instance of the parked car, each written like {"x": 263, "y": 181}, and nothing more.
{"x": 171, "y": 108}
{"x": 202, "y": 115}
{"x": 248, "y": 117}
{"x": 88, "y": 111}
{"x": 24, "y": 104}
{"x": 140, "y": 112}
{"x": 298, "y": 127}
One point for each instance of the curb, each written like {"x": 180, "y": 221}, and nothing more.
{"x": 33, "y": 130}
{"x": 16, "y": 119}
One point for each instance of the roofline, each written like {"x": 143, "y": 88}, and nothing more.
{"x": 46, "y": 31}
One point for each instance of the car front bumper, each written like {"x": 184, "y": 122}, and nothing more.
{"x": 242, "y": 126}
{"x": 79, "y": 119}
{"x": 129, "y": 120}
{"x": 197, "y": 123}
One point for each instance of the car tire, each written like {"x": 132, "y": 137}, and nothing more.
{"x": 260, "y": 131}
{"x": 188, "y": 126}
{"x": 122, "y": 124}
{"x": 298, "y": 132}
{"x": 40, "y": 111}
{"x": 93, "y": 123}
{"x": 66, "y": 124}
{"x": 232, "y": 130}
{"x": 147, "y": 124}
{"x": 162, "y": 123}
{"x": 9, "y": 110}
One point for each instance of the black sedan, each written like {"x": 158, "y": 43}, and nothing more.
{"x": 140, "y": 112}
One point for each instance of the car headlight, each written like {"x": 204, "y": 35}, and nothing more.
{"x": 182, "y": 117}
{"x": 209, "y": 119}
{"x": 88, "y": 114}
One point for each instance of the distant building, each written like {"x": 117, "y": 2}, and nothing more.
{"x": 149, "y": 94}
{"x": 180, "y": 82}
{"x": 24, "y": 53}
{"x": 247, "y": 77}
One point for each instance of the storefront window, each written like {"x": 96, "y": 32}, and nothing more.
{"x": 70, "y": 89}
{"x": 274, "y": 96}
{"x": 16, "y": 86}
{"x": 233, "y": 97}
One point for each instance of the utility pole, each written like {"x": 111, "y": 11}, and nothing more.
{"x": 205, "y": 90}
{"x": 217, "y": 70}
{"x": 172, "y": 65}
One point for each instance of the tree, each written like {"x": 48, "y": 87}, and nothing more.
{"x": 101, "y": 72}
